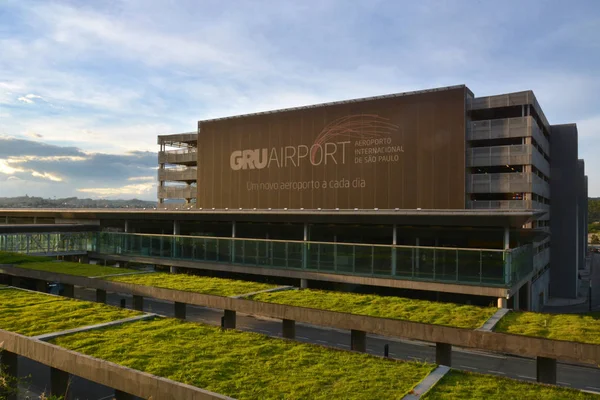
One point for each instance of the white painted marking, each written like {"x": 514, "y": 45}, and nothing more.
{"x": 302, "y": 337}
{"x": 592, "y": 388}
{"x": 525, "y": 377}
{"x": 322, "y": 341}
{"x": 343, "y": 345}
{"x": 263, "y": 331}
{"x": 496, "y": 372}
{"x": 563, "y": 383}
{"x": 465, "y": 367}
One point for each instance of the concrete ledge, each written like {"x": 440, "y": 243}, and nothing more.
{"x": 427, "y": 383}
{"x": 527, "y": 346}
{"x": 49, "y": 336}
{"x": 277, "y": 289}
{"x": 317, "y": 276}
{"x": 123, "y": 274}
{"x": 106, "y": 373}
{"x": 489, "y": 325}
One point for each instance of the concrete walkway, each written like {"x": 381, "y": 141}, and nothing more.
{"x": 427, "y": 383}
{"x": 49, "y": 336}
{"x": 494, "y": 319}
{"x": 277, "y": 289}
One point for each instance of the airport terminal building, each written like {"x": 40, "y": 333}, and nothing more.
{"x": 436, "y": 192}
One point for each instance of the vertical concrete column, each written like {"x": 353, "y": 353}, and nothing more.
{"x": 138, "y": 302}
{"x": 101, "y": 296}
{"x": 507, "y": 261}
{"x": 59, "y": 382}
{"x": 502, "y": 302}
{"x": 176, "y": 227}
{"x": 303, "y": 283}
{"x": 394, "y": 242}
{"x": 443, "y": 354}
{"x": 180, "y": 309}
{"x": 288, "y": 328}
{"x": 229, "y": 319}
{"x": 546, "y": 370}
{"x": 126, "y": 228}
{"x": 233, "y": 241}
{"x": 305, "y": 248}
{"x": 15, "y": 281}
{"x": 173, "y": 270}
{"x": 516, "y": 305}
{"x": 9, "y": 363}
{"x": 119, "y": 395}
{"x": 68, "y": 290}
{"x": 417, "y": 255}
{"x": 40, "y": 285}
{"x": 358, "y": 340}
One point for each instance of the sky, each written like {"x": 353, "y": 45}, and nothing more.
{"x": 86, "y": 86}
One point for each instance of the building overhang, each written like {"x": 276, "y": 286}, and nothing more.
{"x": 472, "y": 218}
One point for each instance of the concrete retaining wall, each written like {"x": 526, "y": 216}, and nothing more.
{"x": 103, "y": 372}
{"x": 490, "y": 341}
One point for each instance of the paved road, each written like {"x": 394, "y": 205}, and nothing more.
{"x": 469, "y": 360}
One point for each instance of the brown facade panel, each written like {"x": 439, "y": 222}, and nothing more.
{"x": 402, "y": 152}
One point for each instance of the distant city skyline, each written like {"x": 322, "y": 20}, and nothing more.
{"x": 85, "y": 87}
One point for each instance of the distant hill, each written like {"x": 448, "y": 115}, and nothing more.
{"x": 71, "y": 202}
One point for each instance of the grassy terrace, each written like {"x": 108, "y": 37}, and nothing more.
{"x": 466, "y": 385}
{"x": 18, "y": 258}
{"x": 583, "y": 328}
{"x": 430, "y": 312}
{"x": 34, "y": 314}
{"x": 72, "y": 268}
{"x": 247, "y": 365}
{"x": 193, "y": 283}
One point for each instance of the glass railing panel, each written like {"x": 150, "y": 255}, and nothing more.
{"x": 211, "y": 251}
{"x": 224, "y": 250}
{"x": 279, "y": 254}
{"x": 239, "y": 248}
{"x": 469, "y": 266}
{"x": 295, "y": 254}
{"x": 492, "y": 269}
{"x": 424, "y": 263}
{"x": 326, "y": 257}
{"x": 345, "y": 258}
{"x": 382, "y": 261}
{"x": 250, "y": 252}
{"x": 405, "y": 258}
{"x": 445, "y": 264}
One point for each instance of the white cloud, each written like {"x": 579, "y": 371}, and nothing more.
{"x": 142, "y": 178}
{"x": 138, "y": 189}
{"x": 46, "y": 175}
{"x": 7, "y": 169}
{"x": 29, "y": 98}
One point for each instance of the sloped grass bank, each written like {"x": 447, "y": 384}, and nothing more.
{"x": 247, "y": 365}
{"x": 467, "y": 385}
{"x": 193, "y": 283}
{"x": 583, "y": 328}
{"x": 72, "y": 268}
{"x": 34, "y": 314}
{"x": 429, "y": 312}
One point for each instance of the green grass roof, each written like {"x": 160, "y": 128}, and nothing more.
{"x": 430, "y": 312}
{"x": 193, "y": 283}
{"x": 247, "y": 365}
{"x": 466, "y": 385}
{"x": 583, "y": 328}
{"x": 33, "y": 314}
{"x": 72, "y": 268}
